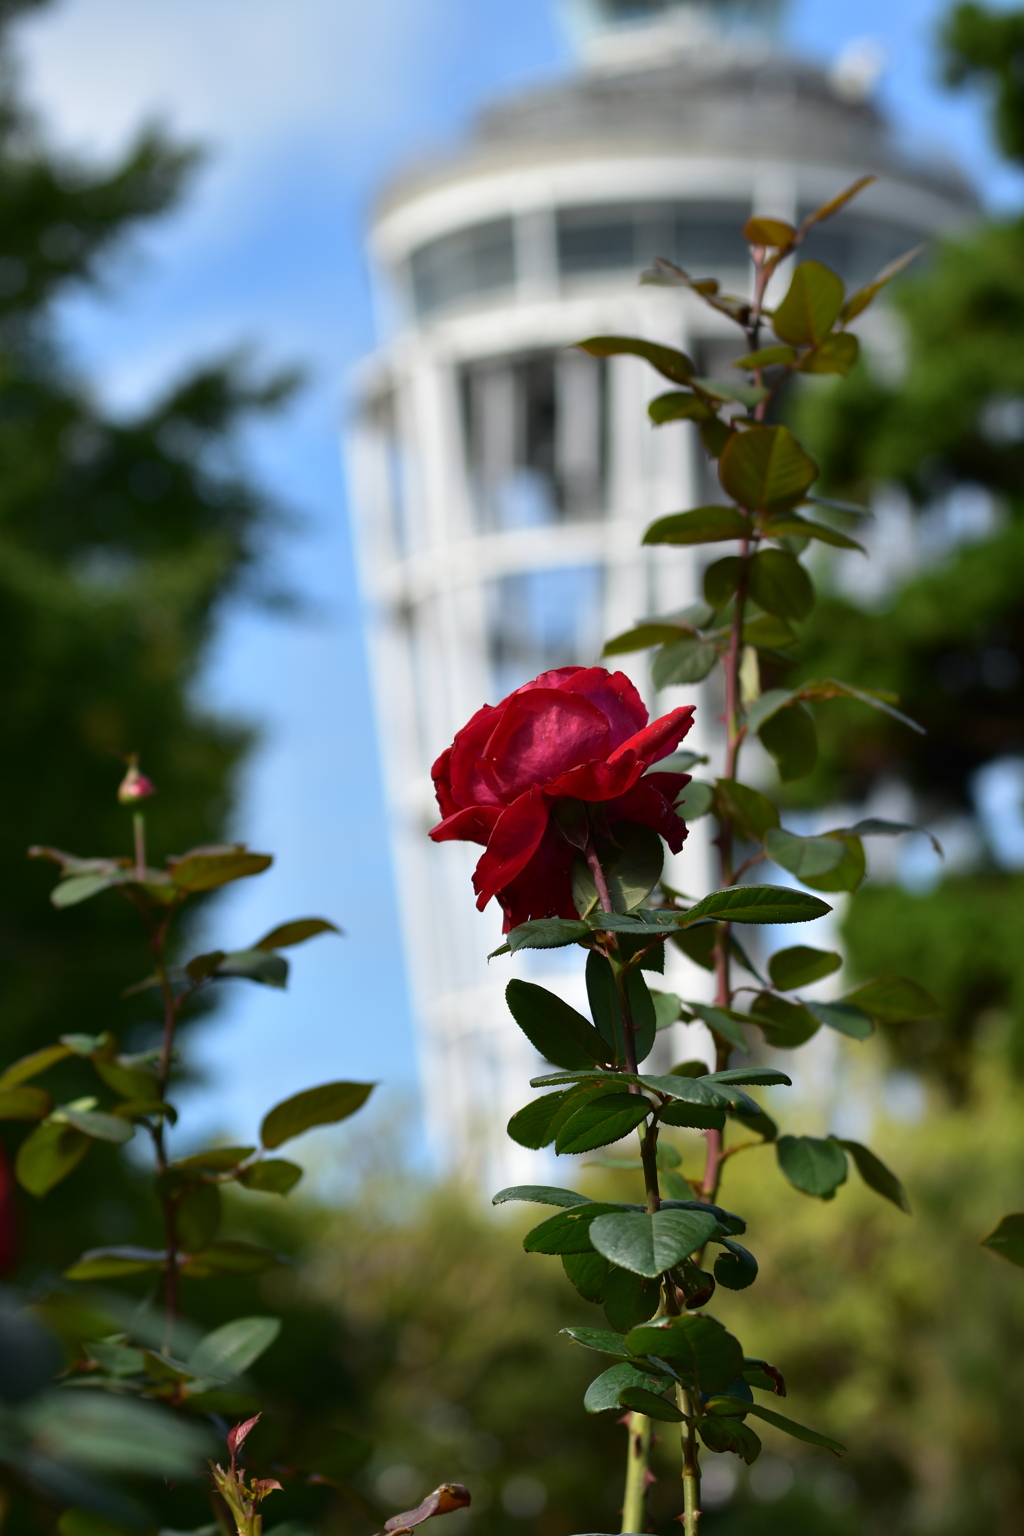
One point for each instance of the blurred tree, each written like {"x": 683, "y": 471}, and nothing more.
{"x": 121, "y": 539}
{"x": 949, "y": 638}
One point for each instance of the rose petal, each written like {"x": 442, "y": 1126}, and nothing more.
{"x": 659, "y": 738}
{"x": 540, "y": 735}
{"x": 544, "y": 887}
{"x": 646, "y": 804}
{"x": 597, "y": 781}
{"x": 466, "y": 785}
{"x": 440, "y": 773}
{"x": 616, "y": 698}
{"x": 473, "y": 824}
{"x": 513, "y": 842}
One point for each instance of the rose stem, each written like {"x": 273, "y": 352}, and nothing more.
{"x": 638, "y": 1458}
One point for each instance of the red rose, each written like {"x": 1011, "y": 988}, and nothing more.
{"x": 578, "y": 733}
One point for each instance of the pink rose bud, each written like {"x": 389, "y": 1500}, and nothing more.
{"x": 134, "y": 786}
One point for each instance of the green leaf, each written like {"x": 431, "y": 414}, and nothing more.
{"x": 705, "y": 1355}
{"x": 1007, "y": 1239}
{"x": 842, "y": 1017}
{"x": 800, "y": 965}
{"x": 533, "y": 1126}
{"x": 726, "y": 389}
{"x": 792, "y": 524}
{"x": 568, "y": 1231}
{"x": 876, "y": 1175}
{"x": 645, "y": 635}
{"x": 811, "y": 307}
{"x": 723, "y": 1022}
{"x": 765, "y": 707}
{"x": 641, "y": 1400}
{"x": 727, "y": 1434}
{"x": 602, "y": 1121}
{"x": 599, "y": 1339}
{"x": 696, "y": 800}
{"x": 231, "y": 1349}
{"x": 790, "y": 737}
{"x": 737, "y": 1268}
{"x": 82, "y": 1522}
{"x": 649, "y": 1244}
{"x": 811, "y": 1436}
{"x": 893, "y": 1000}
{"x": 255, "y": 965}
{"x": 198, "y": 1217}
{"x": 48, "y": 1154}
{"x": 758, "y": 1373}
{"x": 129, "y": 1082}
{"x": 848, "y": 873}
{"x": 204, "y": 869}
{"x": 766, "y": 357}
{"x": 670, "y": 363}
{"x": 603, "y": 997}
{"x": 31, "y": 1066}
{"x": 859, "y": 301}
{"x": 556, "y": 1030}
{"x": 873, "y": 826}
{"x": 214, "y": 1160}
{"x": 750, "y": 812}
{"x": 784, "y": 1025}
{"x": 24, "y": 1103}
{"x": 635, "y": 871}
{"x": 701, "y": 1117}
{"x": 588, "y": 1273}
{"x": 645, "y": 1018}
{"x": 761, "y": 1077}
{"x": 272, "y": 1176}
{"x": 80, "y": 887}
{"x": 107, "y": 1433}
{"x": 295, "y": 932}
{"x": 541, "y": 1194}
{"x": 115, "y": 1263}
{"x": 813, "y": 1166}
{"x": 698, "y": 944}
{"x": 93, "y": 1122}
{"x": 684, "y": 661}
{"x": 543, "y": 933}
{"x": 603, "y": 1393}
{"x": 830, "y": 688}
{"x": 679, "y": 405}
{"x": 779, "y": 584}
{"x": 325, "y": 1105}
{"x": 229, "y": 1257}
{"x": 704, "y": 525}
{"x": 803, "y": 856}
{"x": 667, "y": 1006}
{"x": 836, "y": 354}
{"x": 721, "y": 580}
{"x": 628, "y": 1299}
{"x": 758, "y": 904}
{"x": 765, "y": 469}
{"x": 771, "y": 232}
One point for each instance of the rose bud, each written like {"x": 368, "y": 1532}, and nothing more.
{"x": 134, "y": 786}
{"x": 575, "y": 734}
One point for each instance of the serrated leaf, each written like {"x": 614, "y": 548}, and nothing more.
{"x": 599, "y": 1339}
{"x": 814, "y": 1166}
{"x": 588, "y": 1273}
{"x": 859, "y": 301}
{"x": 231, "y": 1349}
{"x": 721, "y": 1433}
{"x": 842, "y": 1017}
{"x": 784, "y": 1025}
{"x": 874, "y": 826}
{"x": 601, "y": 1122}
{"x": 800, "y": 965}
{"x": 543, "y": 933}
{"x": 668, "y": 361}
{"x": 848, "y": 873}
{"x": 696, "y": 800}
{"x": 760, "y": 1077}
{"x": 643, "y": 636}
{"x": 811, "y": 306}
{"x": 765, "y": 469}
{"x": 653, "y": 1404}
{"x": 541, "y": 1194}
{"x": 628, "y": 1299}
{"x": 271, "y": 1176}
{"x": 703, "y": 525}
{"x": 324, "y": 1105}
{"x": 876, "y": 1175}
{"x": 791, "y": 523}
{"x": 721, "y": 580}
{"x": 648, "y": 1243}
{"x": 737, "y": 1267}
{"x": 722, "y": 1021}
{"x": 757, "y": 904}
{"x": 553, "y": 1028}
{"x": 569, "y": 1230}
{"x": 204, "y": 869}
{"x": 706, "y": 1356}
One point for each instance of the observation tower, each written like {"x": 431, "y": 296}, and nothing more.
{"x": 501, "y": 481}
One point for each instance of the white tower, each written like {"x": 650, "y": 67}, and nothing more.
{"x": 501, "y": 481}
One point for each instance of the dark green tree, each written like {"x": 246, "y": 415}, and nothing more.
{"x": 122, "y": 538}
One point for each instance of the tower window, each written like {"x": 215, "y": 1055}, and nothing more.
{"x": 473, "y": 261}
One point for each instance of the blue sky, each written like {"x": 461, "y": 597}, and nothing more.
{"x": 304, "y": 106}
